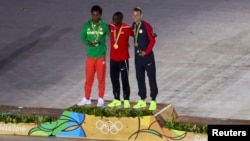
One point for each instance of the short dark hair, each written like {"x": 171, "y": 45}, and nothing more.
{"x": 118, "y": 14}
{"x": 137, "y": 9}
{"x": 96, "y": 8}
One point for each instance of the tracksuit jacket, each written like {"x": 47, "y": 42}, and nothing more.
{"x": 88, "y": 34}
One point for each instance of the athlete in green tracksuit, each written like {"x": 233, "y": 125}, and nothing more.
{"x": 93, "y": 35}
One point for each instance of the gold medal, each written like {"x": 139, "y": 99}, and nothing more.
{"x": 115, "y": 46}
{"x": 116, "y": 38}
{"x": 136, "y": 44}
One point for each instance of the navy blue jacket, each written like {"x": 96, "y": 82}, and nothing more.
{"x": 145, "y": 38}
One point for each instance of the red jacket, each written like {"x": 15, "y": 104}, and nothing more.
{"x": 122, "y": 52}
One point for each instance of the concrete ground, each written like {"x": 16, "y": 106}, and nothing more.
{"x": 202, "y": 53}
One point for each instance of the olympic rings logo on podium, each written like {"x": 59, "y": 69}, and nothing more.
{"x": 109, "y": 127}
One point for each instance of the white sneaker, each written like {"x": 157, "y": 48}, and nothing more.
{"x": 100, "y": 102}
{"x": 84, "y": 101}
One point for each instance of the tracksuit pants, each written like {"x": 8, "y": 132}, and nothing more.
{"x": 117, "y": 69}
{"x": 95, "y": 66}
{"x": 145, "y": 64}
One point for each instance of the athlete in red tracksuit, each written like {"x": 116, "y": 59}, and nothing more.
{"x": 119, "y": 59}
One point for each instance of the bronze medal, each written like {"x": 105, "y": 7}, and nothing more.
{"x": 137, "y": 29}
{"x": 138, "y": 51}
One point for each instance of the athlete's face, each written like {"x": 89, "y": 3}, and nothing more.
{"x": 117, "y": 20}
{"x": 96, "y": 16}
{"x": 137, "y": 16}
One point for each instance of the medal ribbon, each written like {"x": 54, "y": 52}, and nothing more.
{"x": 137, "y": 31}
{"x": 96, "y": 32}
{"x": 116, "y": 38}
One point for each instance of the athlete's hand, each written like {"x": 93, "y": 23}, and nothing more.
{"x": 91, "y": 44}
{"x": 154, "y": 35}
{"x": 142, "y": 53}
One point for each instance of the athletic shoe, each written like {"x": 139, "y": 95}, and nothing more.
{"x": 140, "y": 104}
{"x": 84, "y": 101}
{"x": 100, "y": 102}
{"x": 153, "y": 105}
{"x": 114, "y": 103}
{"x": 126, "y": 104}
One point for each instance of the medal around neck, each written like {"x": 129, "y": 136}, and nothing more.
{"x": 136, "y": 32}
{"x": 115, "y": 46}
{"x": 116, "y": 37}
{"x": 96, "y": 33}
{"x": 136, "y": 44}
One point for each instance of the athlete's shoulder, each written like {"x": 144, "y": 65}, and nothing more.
{"x": 86, "y": 23}
{"x": 111, "y": 24}
{"x": 102, "y": 21}
{"x": 146, "y": 23}
{"x": 126, "y": 25}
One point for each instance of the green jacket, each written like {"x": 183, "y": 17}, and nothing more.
{"x": 97, "y": 34}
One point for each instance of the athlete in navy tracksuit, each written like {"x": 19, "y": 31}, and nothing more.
{"x": 144, "y": 42}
